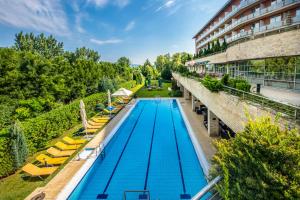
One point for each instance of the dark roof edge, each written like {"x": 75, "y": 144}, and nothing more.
{"x": 223, "y": 7}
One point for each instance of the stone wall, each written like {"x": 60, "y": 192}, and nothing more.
{"x": 277, "y": 45}
{"x": 230, "y": 109}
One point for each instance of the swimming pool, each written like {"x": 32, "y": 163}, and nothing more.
{"x": 150, "y": 156}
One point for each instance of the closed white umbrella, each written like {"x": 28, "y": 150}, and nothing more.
{"x": 83, "y": 116}
{"x": 109, "y": 102}
{"x": 122, "y": 92}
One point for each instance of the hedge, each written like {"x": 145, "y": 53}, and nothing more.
{"x": 6, "y": 158}
{"x": 128, "y": 85}
{"x": 42, "y": 129}
{"x": 45, "y": 127}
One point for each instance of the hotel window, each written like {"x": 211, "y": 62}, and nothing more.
{"x": 275, "y": 19}
{"x": 298, "y": 13}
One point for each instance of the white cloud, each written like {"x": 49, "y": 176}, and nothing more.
{"x": 167, "y": 4}
{"x": 98, "y": 3}
{"x": 102, "y": 3}
{"x": 46, "y": 15}
{"x": 130, "y": 26}
{"x": 104, "y": 42}
{"x": 78, "y": 19}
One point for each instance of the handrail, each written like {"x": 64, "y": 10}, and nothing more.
{"x": 207, "y": 188}
{"x": 290, "y": 110}
{"x": 262, "y": 97}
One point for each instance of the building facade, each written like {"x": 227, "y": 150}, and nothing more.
{"x": 262, "y": 39}
{"x": 240, "y": 19}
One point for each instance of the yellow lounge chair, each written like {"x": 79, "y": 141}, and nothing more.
{"x": 73, "y": 141}
{"x": 64, "y": 146}
{"x": 46, "y": 160}
{"x": 58, "y": 153}
{"x": 92, "y": 123}
{"x": 110, "y": 112}
{"x": 91, "y": 130}
{"x": 100, "y": 120}
{"x": 35, "y": 171}
{"x": 89, "y": 126}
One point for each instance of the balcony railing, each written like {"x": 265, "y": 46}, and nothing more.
{"x": 238, "y": 8}
{"x": 259, "y": 13}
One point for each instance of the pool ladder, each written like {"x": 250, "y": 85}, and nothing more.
{"x": 100, "y": 150}
{"x": 143, "y": 194}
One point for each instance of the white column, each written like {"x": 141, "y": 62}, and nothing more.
{"x": 186, "y": 94}
{"x": 193, "y": 103}
{"x": 213, "y": 124}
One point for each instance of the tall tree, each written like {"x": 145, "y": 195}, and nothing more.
{"x": 45, "y": 46}
{"x": 18, "y": 145}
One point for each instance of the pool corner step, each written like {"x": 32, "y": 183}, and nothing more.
{"x": 185, "y": 196}
{"x": 102, "y": 196}
{"x": 144, "y": 196}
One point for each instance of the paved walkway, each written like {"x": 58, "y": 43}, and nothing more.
{"x": 53, "y": 188}
{"x": 282, "y": 95}
{"x": 196, "y": 122}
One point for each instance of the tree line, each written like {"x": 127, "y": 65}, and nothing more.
{"x": 38, "y": 75}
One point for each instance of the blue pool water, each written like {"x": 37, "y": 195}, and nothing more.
{"x": 150, "y": 151}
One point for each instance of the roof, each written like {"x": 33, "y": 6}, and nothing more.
{"x": 223, "y": 7}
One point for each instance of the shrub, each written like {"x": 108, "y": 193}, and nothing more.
{"x": 175, "y": 93}
{"x": 128, "y": 85}
{"x": 45, "y": 127}
{"x": 6, "y": 158}
{"x": 42, "y": 129}
{"x": 243, "y": 86}
{"x": 18, "y": 145}
{"x": 166, "y": 73}
{"x": 99, "y": 107}
{"x": 262, "y": 162}
{"x": 239, "y": 84}
{"x": 212, "y": 84}
{"x": 225, "y": 79}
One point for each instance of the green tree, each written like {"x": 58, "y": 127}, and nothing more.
{"x": 166, "y": 74}
{"x": 45, "y": 46}
{"x": 86, "y": 53}
{"x": 261, "y": 162}
{"x": 18, "y": 145}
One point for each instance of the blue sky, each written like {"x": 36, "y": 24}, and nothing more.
{"x": 137, "y": 29}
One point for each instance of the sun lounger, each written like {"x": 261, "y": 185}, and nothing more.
{"x": 89, "y": 126}
{"x": 46, "y": 160}
{"x": 35, "y": 171}
{"x": 91, "y": 130}
{"x": 99, "y": 120}
{"x": 58, "y": 153}
{"x": 73, "y": 141}
{"x": 114, "y": 111}
{"x": 64, "y": 146}
{"x": 92, "y": 123}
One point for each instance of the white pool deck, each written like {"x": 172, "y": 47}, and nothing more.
{"x": 61, "y": 180}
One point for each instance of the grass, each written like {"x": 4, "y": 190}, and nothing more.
{"x": 17, "y": 187}
{"x": 145, "y": 93}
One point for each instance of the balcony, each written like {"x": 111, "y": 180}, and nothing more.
{"x": 243, "y": 4}
{"x": 252, "y": 16}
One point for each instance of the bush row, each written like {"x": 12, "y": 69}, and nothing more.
{"x": 214, "y": 85}
{"x": 41, "y": 130}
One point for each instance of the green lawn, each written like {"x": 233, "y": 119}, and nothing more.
{"x": 16, "y": 187}
{"x": 144, "y": 92}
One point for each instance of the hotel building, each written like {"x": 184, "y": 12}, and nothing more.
{"x": 256, "y": 32}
